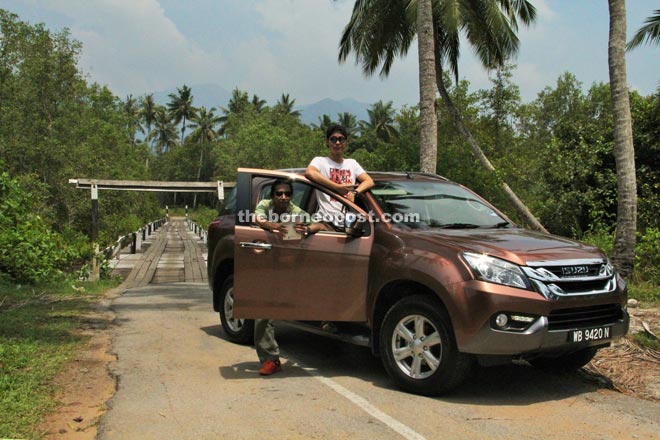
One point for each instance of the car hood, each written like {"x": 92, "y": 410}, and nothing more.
{"x": 517, "y": 245}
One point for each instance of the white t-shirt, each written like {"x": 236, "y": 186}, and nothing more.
{"x": 341, "y": 173}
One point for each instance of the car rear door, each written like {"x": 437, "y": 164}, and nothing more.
{"x": 319, "y": 277}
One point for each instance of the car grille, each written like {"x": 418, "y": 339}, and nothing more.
{"x": 584, "y": 317}
{"x": 556, "y": 279}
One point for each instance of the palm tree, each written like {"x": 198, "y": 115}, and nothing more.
{"x": 181, "y": 108}
{"x": 148, "y": 111}
{"x": 623, "y": 256}
{"x": 428, "y": 119}
{"x": 325, "y": 122}
{"x": 649, "y": 33}
{"x": 285, "y": 106}
{"x": 381, "y": 121}
{"x": 164, "y": 132}
{"x": 203, "y": 125}
{"x": 238, "y": 103}
{"x": 349, "y": 121}
{"x": 132, "y": 112}
{"x": 258, "y": 103}
{"x": 381, "y": 30}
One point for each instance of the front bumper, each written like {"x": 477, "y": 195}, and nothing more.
{"x": 537, "y": 338}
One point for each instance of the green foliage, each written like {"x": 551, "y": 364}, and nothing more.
{"x": 646, "y": 340}
{"x": 30, "y": 251}
{"x": 37, "y": 336}
{"x": 647, "y": 256}
{"x": 265, "y": 140}
{"x": 203, "y": 216}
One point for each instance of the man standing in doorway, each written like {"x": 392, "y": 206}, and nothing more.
{"x": 341, "y": 175}
{"x": 337, "y": 173}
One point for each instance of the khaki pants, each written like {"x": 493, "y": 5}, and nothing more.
{"x": 264, "y": 340}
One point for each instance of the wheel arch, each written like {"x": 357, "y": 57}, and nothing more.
{"x": 223, "y": 271}
{"x": 392, "y": 293}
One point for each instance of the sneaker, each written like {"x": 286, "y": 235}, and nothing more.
{"x": 269, "y": 367}
{"x": 329, "y": 327}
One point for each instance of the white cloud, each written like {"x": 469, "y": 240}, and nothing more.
{"x": 131, "y": 45}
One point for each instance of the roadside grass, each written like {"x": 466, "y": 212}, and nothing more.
{"x": 38, "y": 335}
{"x": 645, "y": 291}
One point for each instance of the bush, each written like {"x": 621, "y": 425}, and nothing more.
{"x": 647, "y": 256}
{"x": 29, "y": 250}
{"x": 203, "y": 216}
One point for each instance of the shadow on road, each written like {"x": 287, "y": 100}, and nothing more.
{"x": 515, "y": 385}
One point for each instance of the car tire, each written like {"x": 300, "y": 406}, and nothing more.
{"x": 418, "y": 348}
{"x": 567, "y": 362}
{"x": 238, "y": 330}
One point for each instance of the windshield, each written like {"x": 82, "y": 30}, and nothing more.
{"x": 424, "y": 204}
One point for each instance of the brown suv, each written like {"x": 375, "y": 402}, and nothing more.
{"x": 424, "y": 271}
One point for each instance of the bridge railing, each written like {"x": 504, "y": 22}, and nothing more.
{"x": 197, "y": 229}
{"x": 133, "y": 240}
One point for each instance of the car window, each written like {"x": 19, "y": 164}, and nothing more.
{"x": 300, "y": 192}
{"x": 229, "y": 207}
{"x": 424, "y": 204}
{"x": 304, "y": 196}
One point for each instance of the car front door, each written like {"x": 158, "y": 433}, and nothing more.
{"x": 319, "y": 277}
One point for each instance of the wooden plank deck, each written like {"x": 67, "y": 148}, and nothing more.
{"x": 172, "y": 254}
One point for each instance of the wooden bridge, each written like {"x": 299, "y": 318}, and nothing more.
{"x": 173, "y": 253}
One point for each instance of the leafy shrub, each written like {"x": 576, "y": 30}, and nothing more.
{"x": 203, "y": 216}
{"x": 647, "y": 255}
{"x": 29, "y": 250}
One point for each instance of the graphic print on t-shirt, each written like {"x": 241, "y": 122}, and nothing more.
{"x": 340, "y": 176}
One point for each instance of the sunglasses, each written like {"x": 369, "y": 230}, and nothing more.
{"x": 335, "y": 139}
{"x": 283, "y": 193}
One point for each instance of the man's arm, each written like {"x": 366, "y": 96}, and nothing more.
{"x": 261, "y": 216}
{"x": 366, "y": 183}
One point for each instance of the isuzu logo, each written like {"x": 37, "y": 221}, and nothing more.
{"x": 569, "y": 271}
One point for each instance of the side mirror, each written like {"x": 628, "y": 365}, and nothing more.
{"x": 354, "y": 225}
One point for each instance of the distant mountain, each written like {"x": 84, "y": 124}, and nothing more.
{"x": 312, "y": 112}
{"x": 212, "y": 95}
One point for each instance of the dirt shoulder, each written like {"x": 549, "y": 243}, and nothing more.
{"x": 628, "y": 367}
{"x": 86, "y": 383}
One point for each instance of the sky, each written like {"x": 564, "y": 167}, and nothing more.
{"x": 271, "y": 47}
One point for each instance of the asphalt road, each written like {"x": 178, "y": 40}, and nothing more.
{"x": 178, "y": 377}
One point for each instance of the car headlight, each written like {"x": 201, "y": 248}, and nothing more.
{"x": 494, "y": 270}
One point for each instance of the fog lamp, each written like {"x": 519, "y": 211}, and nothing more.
{"x": 501, "y": 320}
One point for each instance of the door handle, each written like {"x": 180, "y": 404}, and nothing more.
{"x": 255, "y": 245}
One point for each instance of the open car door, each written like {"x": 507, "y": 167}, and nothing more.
{"x": 319, "y": 277}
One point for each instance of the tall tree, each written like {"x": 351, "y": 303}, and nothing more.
{"x": 349, "y": 121}
{"x": 258, "y": 103}
{"x": 132, "y": 112}
{"x": 381, "y": 121}
{"x": 381, "y": 30}
{"x": 148, "y": 111}
{"x": 164, "y": 133}
{"x": 649, "y": 33}
{"x": 428, "y": 119}
{"x": 238, "y": 103}
{"x": 203, "y": 125}
{"x": 624, "y": 151}
{"x": 324, "y": 122}
{"x": 285, "y": 105}
{"x": 181, "y": 108}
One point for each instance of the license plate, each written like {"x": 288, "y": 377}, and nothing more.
{"x": 590, "y": 334}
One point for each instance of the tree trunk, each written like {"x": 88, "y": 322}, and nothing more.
{"x": 623, "y": 256}
{"x": 463, "y": 130}
{"x": 199, "y": 171}
{"x": 428, "y": 122}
